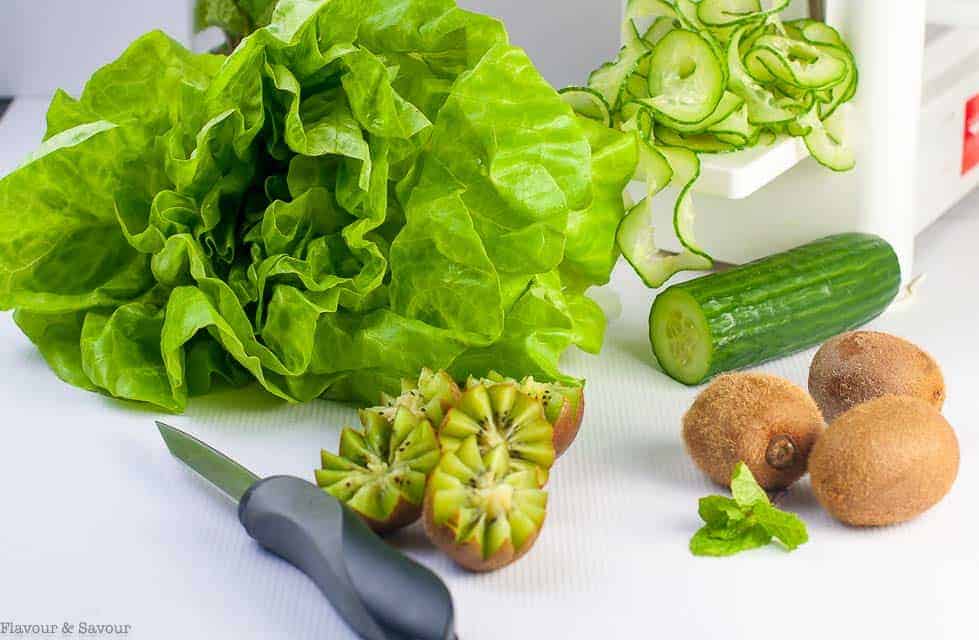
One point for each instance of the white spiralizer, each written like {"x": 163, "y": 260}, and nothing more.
{"x": 914, "y": 124}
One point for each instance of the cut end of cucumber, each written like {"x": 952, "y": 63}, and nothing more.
{"x": 681, "y": 337}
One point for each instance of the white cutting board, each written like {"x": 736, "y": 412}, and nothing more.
{"x": 99, "y": 523}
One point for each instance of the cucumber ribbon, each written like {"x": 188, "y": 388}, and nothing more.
{"x": 714, "y": 76}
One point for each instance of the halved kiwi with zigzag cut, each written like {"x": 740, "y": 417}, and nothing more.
{"x": 498, "y": 414}
{"x": 564, "y": 405}
{"x": 430, "y": 397}
{"x": 480, "y": 509}
{"x": 381, "y": 472}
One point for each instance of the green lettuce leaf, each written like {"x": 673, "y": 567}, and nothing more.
{"x": 590, "y": 249}
{"x": 358, "y": 190}
{"x": 237, "y": 18}
{"x": 58, "y": 337}
{"x": 227, "y": 15}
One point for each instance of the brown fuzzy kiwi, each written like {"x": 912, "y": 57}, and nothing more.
{"x": 763, "y": 420}
{"x": 885, "y": 461}
{"x": 862, "y": 365}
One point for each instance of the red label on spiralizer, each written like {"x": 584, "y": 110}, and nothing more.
{"x": 970, "y": 150}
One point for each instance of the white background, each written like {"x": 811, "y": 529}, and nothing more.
{"x": 99, "y": 523}
{"x": 46, "y": 44}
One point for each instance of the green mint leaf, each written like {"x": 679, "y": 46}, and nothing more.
{"x": 719, "y": 511}
{"x": 745, "y": 488}
{"x": 726, "y": 541}
{"x": 788, "y": 528}
{"x": 744, "y": 522}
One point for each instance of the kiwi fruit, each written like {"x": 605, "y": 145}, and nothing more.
{"x": 430, "y": 397}
{"x": 885, "y": 461}
{"x": 500, "y": 414}
{"x": 480, "y": 510}
{"x": 381, "y": 472}
{"x": 855, "y": 367}
{"x": 763, "y": 420}
{"x": 564, "y": 405}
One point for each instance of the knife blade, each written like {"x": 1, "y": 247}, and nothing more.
{"x": 232, "y": 479}
{"x": 380, "y": 593}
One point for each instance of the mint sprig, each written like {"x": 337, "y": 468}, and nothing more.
{"x": 748, "y": 520}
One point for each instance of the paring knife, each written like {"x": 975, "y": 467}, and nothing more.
{"x": 380, "y": 593}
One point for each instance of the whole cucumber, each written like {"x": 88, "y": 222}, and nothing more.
{"x": 772, "y": 307}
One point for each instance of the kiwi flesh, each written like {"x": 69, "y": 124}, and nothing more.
{"x": 564, "y": 405}
{"x": 480, "y": 510}
{"x": 500, "y": 414}
{"x": 381, "y": 472}
{"x": 765, "y": 421}
{"x": 855, "y": 367}
{"x": 885, "y": 461}
{"x": 430, "y": 397}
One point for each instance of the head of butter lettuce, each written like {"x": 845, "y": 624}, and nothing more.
{"x": 361, "y": 189}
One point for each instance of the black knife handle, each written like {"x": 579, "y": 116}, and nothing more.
{"x": 381, "y": 593}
